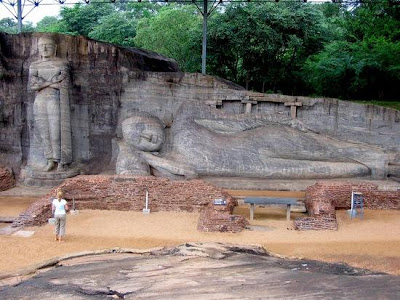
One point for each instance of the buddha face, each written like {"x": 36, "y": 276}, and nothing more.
{"x": 47, "y": 47}
{"x": 144, "y": 133}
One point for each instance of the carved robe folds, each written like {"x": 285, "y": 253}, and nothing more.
{"x": 50, "y": 79}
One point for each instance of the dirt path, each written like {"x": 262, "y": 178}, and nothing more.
{"x": 372, "y": 243}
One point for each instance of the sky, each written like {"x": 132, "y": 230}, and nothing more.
{"x": 45, "y": 8}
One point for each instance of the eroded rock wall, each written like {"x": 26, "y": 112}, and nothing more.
{"x": 110, "y": 84}
{"x": 98, "y": 71}
{"x": 161, "y": 94}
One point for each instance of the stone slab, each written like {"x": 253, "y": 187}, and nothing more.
{"x": 23, "y": 233}
{"x": 260, "y": 228}
{"x": 7, "y": 230}
{"x": 270, "y": 200}
{"x": 205, "y": 271}
{"x": 23, "y": 190}
{"x": 6, "y": 219}
{"x": 287, "y": 185}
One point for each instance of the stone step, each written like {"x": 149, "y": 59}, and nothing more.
{"x": 42, "y": 182}
{"x": 6, "y": 219}
{"x": 46, "y": 179}
{"x": 54, "y": 175}
{"x": 265, "y": 193}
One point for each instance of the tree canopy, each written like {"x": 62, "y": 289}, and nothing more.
{"x": 10, "y": 25}
{"x": 365, "y": 62}
{"x": 263, "y": 46}
{"x": 175, "y": 32}
{"x": 330, "y": 49}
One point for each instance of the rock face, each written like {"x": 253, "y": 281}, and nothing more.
{"x": 207, "y": 126}
{"x": 202, "y": 271}
{"x": 208, "y": 142}
{"x": 97, "y": 72}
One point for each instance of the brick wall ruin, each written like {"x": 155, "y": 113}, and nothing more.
{"x": 109, "y": 192}
{"x": 316, "y": 223}
{"x": 324, "y": 197}
{"x": 220, "y": 218}
{"x": 7, "y": 180}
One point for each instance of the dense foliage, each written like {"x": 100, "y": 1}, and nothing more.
{"x": 175, "y": 32}
{"x": 10, "y": 25}
{"x": 264, "y": 46}
{"x": 365, "y": 62}
{"x": 331, "y": 49}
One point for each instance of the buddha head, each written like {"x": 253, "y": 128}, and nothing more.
{"x": 47, "y": 47}
{"x": 144, "y": 132}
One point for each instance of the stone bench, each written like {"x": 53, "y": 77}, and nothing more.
{"x": 270, "y": 201}
{"x": 6, "y": 219}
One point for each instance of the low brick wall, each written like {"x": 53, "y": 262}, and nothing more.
{"x": 324, "y": 197}
{"x": 311, "y": 223}
{"x": 7, "y": 180}
{"x": 118, "y": 192}
{"x": 339, "y": 195}
{"x": 220, "y": 218}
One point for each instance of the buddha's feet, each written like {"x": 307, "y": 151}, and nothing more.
{"x": 62, "y": 168}
{"x": 50, "y": 165}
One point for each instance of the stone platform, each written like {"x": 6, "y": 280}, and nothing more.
{"x": 198, "y": 271}
{"x": 242, "y": 183}
{"x": 32, "y": 177}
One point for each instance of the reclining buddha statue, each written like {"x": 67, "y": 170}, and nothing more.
{"x": 208, "y": 142}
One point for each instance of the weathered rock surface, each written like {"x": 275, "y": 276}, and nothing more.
{"x": 97, "y": 70}
{"x": 208, "y": 142}
{"x": 203, "y": 271}
{"x": 111, "y": 84}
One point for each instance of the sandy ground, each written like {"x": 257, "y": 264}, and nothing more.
{"x": 372, "y": 243}
{"x": 13, "y": 206}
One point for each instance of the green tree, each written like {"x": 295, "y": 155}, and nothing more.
{"x": 48, "y": 24}
{"x": 120, "y": 27}
{"x": 373, "y": 19}
{"x": 82, "y": 18}
{"x": 117, "y": 28}
{"x": 9, "y": 25}
{"x": 330, "y": 71}
{"x": 175, "y": 32}
{"x": 144, "y": 9}
{"x": 365, "y": 62}
{"x": 263, "y": 46}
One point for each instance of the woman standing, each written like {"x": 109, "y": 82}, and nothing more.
{"x": 59, "y": 208}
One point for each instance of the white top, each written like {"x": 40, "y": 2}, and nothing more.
{"x": 59, "y": 206}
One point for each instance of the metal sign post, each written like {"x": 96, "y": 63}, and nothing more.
{"x": 19, "y": 17}
{"x": 357, "y": 205}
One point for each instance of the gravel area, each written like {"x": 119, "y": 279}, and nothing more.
{"x": 372, "y": 243}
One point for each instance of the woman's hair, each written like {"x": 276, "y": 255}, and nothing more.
{"x": 60, "y": 193}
